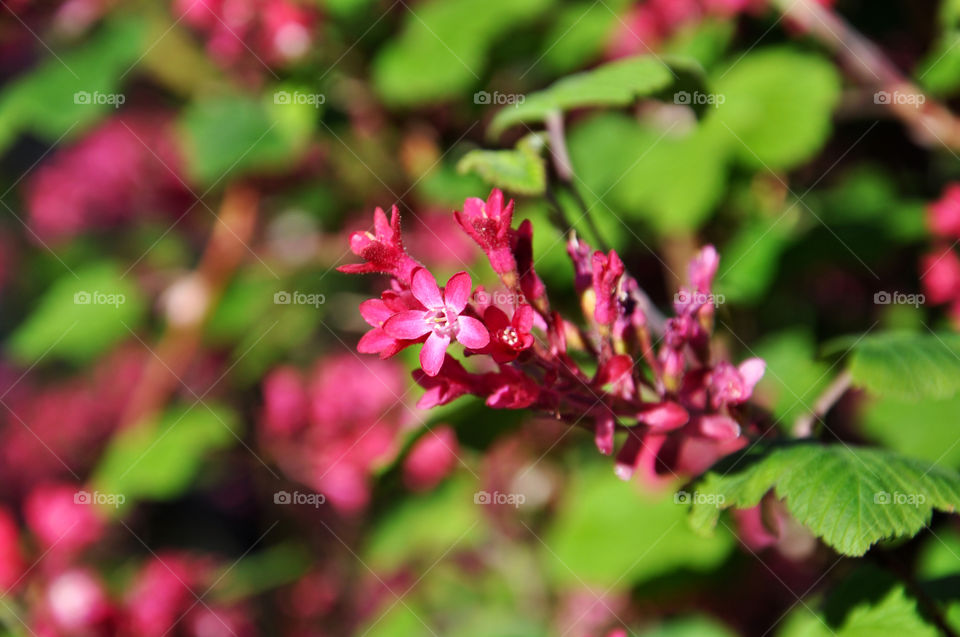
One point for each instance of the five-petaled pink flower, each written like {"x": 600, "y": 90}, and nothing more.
{"x": 488, "y": 223}
{"x": 441, "y": 319}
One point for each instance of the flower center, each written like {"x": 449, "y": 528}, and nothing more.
{"x": 440, "y": 321}
{"x": 509, "y": 336}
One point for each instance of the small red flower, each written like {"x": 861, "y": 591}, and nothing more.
{"x": 941, "y": 276}
{"x": 731, "y": 385}
{"x": 382, "y": 250}
{"x": 432, "y": 457}
{"x": 508, "y": 337}
{"x": 488, "y": 223}
{"x": 441, "y": 321}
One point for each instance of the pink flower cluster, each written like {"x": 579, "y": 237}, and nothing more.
{"x": 127, "y": 166}
{"x": 678, "y": 406}
{"x": 275, "y": 31}
{"x": 940, "y": 269}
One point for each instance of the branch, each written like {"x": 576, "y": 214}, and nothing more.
{"x": 834, "y": 391}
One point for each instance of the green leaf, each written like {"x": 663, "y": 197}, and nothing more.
{"x": 908, "y": 366}
{"x": 777, "y": 106}
{"x": 79, "y": 317}
{"x": 159, "y": 460}
{"x": 578, "y": 35}
{"x": 521, "y": 170}
{"x": 894, "y": 615}
{"x": 443, "y": 48}
{"x": 45, "y": 101}
{"x": 926, "y": 429}
{"x": 613, "y": 84}
{"x": 751, "y": 259}
{"x": 609, "y": 534}
{"x": 263, "y": 571}
{"x": 849, "y": 497}
{"x": 634, "y": 171}
{"x": 234, "y": 134}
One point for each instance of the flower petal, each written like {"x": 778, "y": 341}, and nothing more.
{"x": 471, "y": 333}
{"x": 751, "y": 370}
{"x": 523, "y": 318}
{"x": 495, "y": 318}
{"x": 473, "y": 208}
{"x": 425, "y": 288}
{"x": 494, "y": 203}
{"x": 375, "y": 341}
{"x": 457, "y": 292}
{"x": 409, "y": 324}
{"x": 375, "y": 312}
{"x": 431, "y": 356}
{"x": 719, "y": 427}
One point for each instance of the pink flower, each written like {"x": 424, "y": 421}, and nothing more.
{"x": 941, "y": 276}
{"x": 488, "y": 223}
{"x": 511, "y": 389}
{"x": 162, "y": 593}
{"x": 381, "y": 250}
{"x": 77, "y": 603}
{"x": 943, "y": 215}
{"x": 441, "y": 319}
{"x": 731, "y": 385}
{"x": 376, "y": 312}
{"x": 60, "y": 520}
{"x": 285, "y": 401}
{"x": 508, "y": 337}
{"x": 431, "y": 459}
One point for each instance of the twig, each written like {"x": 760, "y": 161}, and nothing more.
{"x": 834, "y": 391}
{"x": 930, "y": 121}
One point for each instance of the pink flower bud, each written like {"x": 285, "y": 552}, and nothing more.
{"x": 719, "y": 427}
{"x": 488, "y": 223}
{"x": 12, "y": 564}
{"x": 943, "y": 215}
{"x": 432, "y": 458}
{"x": 665, "y": 416}
{"x": 77, "y": 603}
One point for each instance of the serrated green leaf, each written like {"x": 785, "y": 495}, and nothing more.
{"x": 614, "y": 84}
{"x": 851, "y": 498}
{"x": 158, "y": 460}
{"x": 521, "y": 170}
{"x": 79, "y": 317}
{"x": 777, "y": 106}
{"x": 908, "y": 366}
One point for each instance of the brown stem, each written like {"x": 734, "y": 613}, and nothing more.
{"x": 930, "y": 121}
{"x": 834, "y": 391}
{"x": 225, "y": 250}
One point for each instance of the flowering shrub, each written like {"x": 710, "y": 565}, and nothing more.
{"x": 690, "y": 367}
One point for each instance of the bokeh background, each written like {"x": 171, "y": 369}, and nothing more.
{"x": 189, "y": 442}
